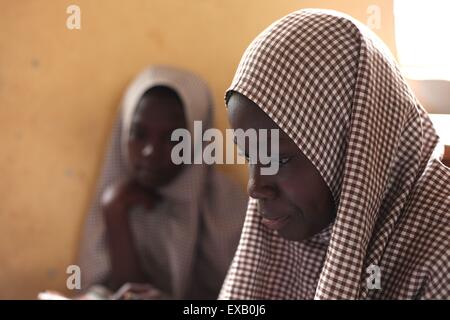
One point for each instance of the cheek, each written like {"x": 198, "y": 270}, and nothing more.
{"x": 134, "y": 152}
{"x": 294, "y": 193}
{"x": 321, "y": 196}
{"x": 303, "y": 188}
{"x": 166, "y": 155}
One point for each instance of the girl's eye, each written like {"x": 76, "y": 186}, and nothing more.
{"x": 281, "y": 160}
{"x": 284, "y": 160}
{"x": 246, "y": 157}
{"x": 242, "y": 154}
{"x": 137, "y": 133}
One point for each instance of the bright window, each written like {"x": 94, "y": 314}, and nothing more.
{"x": 422, "y": 31}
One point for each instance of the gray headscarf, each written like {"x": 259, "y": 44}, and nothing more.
{"x": 198, "y": 222}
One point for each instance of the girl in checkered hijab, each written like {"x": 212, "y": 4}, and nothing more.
{"x": 173, "y": 228}
{"x": 360, "y": 206}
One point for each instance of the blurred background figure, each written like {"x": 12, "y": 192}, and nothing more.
{"x": 174, "y": 227}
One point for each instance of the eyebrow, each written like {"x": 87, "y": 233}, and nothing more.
{"x": 239, "y": 149}
{"x": 284, "y": 139}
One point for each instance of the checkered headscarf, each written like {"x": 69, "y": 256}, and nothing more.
{"x": 333, "y": 87}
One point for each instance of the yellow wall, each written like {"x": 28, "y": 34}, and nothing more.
{"x": 59, "y": 91}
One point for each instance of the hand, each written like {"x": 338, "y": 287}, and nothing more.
{"x": 121, "y": 196}
{"x": 51, "y": 295}
{"x": 138, "y": 291}
{"x": 95, "y": 292}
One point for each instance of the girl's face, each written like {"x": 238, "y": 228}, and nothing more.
{"x": 158, "y": 113}
{"x": 296, "y": 201}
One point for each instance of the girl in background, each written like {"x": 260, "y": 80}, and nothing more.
{"x": 173, "y": 229}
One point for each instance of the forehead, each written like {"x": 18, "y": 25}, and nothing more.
{"x": 159, "y": 109}
{"x": 245, "y": 114}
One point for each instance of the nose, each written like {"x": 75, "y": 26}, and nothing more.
{"x": 260, "y": 186}
{"x": 151, "y": 150}
{"x": 147, "y": 150}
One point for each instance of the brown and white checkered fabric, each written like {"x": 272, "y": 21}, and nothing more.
{"x": 335, "y": 89}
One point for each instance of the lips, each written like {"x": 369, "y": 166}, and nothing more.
{"x": 275, "y": 223}
{"x": 143, "y": 173}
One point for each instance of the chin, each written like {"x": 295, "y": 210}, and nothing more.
{"x": 153, "y": 183}
{"x": 147, "y": 181}
{"x": 162, "y": 180}
{"x": 295, "y": 235}
{"x": 289, "y": 236}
